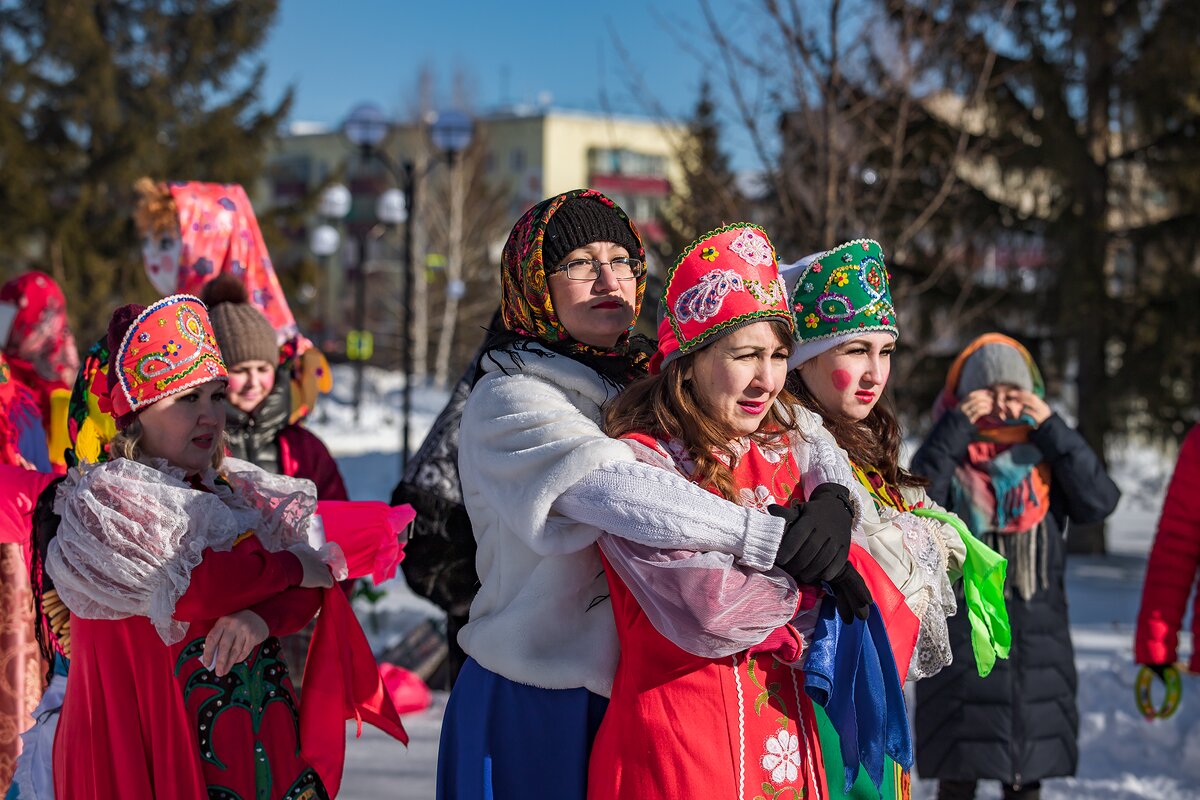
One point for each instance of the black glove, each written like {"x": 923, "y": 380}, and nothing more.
{"x": 1160, "y": 670}
{"x": 816, "y": 536}
{"x": 851, "y": 593}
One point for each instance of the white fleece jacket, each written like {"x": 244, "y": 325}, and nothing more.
{"x": 539, "y": 477}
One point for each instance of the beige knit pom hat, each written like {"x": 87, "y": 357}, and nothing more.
{"x": 242, "y": 332}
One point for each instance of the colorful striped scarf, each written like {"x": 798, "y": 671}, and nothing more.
{"x": 1002, "y": 489}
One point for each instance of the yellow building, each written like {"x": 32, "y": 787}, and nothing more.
{"x": 519, "y": 156}
{"x": 530, "y": 154}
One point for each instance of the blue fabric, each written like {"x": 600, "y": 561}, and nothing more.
{"x": 503, "y": 740}
{"x": 851, "y": 673}
{"x": 31, "y": 441}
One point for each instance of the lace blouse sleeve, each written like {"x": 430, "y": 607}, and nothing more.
{"x": 283, "y": 508}
{"x": 129, "y": 539}
{"x": 934, "y": 600}
{"x": 706, "y": 603}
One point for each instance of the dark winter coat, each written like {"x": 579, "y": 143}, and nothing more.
{"x": 265, "y": 439}
{"x": 439, "y": 560}
{"x": 1019, "y": 724}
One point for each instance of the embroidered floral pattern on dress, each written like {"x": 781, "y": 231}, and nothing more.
{"x": 782, "y": 758}
{"x": 774, "y": 452}
{"x": 780, "y": 698}
{"x": 759, "y": 498}
{"x": 682, "y": 457}
{"x": 702, "y": 301}
{"x": 752, "y": 248}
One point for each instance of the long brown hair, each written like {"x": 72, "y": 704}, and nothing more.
{"x": 666, "y": 406}
{"x": 872, "y": 443}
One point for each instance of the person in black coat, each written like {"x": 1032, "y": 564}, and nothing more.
{"x": 1016, "y": 473}
{"x": 439, "y": 561}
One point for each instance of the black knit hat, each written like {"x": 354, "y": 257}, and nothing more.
{"x": 581, "y": 221}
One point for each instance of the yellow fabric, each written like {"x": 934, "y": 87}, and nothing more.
{"x": 95, "y": 433}
{"x": 882, "y": 499}
{"x": 310, "y": 377}
{"x": 57, "y": 437}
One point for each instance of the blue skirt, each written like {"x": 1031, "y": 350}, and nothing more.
{"x": 503, "y": 740}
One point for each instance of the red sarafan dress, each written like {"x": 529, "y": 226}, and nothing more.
{"x": 683, "y": 725}
{"x": 147, "y": 562}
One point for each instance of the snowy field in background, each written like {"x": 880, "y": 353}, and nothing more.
{"x": 1122, "y": 757}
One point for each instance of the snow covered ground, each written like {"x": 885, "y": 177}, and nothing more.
{"x": 1122, "y": 756}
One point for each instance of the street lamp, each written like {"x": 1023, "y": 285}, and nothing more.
{"x": 367, "y": 127}
{"x": 325, "y": 241}
{"x": 450, "y": 132}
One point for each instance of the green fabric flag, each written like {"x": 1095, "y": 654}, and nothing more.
{"x": 984, "y": 571}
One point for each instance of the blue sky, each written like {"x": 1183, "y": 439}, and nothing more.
{"x": 338, "y": 54}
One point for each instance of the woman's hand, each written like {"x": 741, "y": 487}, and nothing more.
{"x": 1037, "y": 408}
{"x": 317, "y": 574}
{"x": 816, "y": 537}
{"x": 232, "y": 640}
{"x": 977, "y": 404}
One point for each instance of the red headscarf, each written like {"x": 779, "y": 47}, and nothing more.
{"x": 220, "y": 234}
{"x": 40, "y": 348}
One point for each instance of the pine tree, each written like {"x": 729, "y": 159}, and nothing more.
{"x": 1093, "y": 115}
{"x": 96, "y": 93}
{"x": 832, "y": 100}
{"x": 709, "y": 197}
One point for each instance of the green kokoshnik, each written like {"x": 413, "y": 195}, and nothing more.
{"x": 844, "y": 291}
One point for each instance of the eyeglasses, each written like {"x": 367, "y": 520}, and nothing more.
{"x": 588, "y": 269}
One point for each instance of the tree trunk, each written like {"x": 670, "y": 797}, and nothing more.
{"x": 419, "y": 327}
{"x": 453, "y": 274}
{"x": 1086, "y": 284}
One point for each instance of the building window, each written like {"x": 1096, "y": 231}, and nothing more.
{"x": 618, "y": 161}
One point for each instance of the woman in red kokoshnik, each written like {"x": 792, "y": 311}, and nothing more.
{"x": 180, "y": 567}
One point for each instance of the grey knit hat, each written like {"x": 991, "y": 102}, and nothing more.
{"x": 242, "y": 332}
{"x": 992, "y": 364}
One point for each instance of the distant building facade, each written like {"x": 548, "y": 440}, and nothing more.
{"x": 530, "y": 155}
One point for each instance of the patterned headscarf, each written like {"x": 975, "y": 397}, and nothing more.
{"x": 1003, "y": 484}
{"x": 524, "y": 293}
{"x": 220, "y": 234}
{"x": 90, "y": 428}
{"x": 40, "y": 349}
